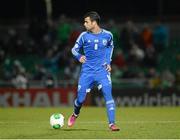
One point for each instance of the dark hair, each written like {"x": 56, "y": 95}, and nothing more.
{"x": 94, "y": 16}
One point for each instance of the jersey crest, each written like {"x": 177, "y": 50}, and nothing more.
{"x": 104, "y": 42}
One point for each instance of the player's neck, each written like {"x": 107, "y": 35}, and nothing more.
{"x": 96, "y": 30}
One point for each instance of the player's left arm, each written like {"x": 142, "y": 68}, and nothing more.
{"x": 109, "y": 52}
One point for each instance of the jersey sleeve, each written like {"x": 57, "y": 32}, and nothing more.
{"x": 78, "y": 45}
{"x": 109, "y": 50}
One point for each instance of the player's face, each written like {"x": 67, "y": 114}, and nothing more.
{"x": 89, "y": 25}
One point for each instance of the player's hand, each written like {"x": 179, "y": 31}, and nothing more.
{"x": 108, "y": 68}
{"x": 82, "y": 59}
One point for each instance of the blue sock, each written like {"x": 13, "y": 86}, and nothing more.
{"x": 110, "y": 106}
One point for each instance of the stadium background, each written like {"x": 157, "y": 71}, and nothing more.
{"x": 37, "y": 68}
{"x": 38, "y": 75}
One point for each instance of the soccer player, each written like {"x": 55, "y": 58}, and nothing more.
{"x": 97, "y": 46}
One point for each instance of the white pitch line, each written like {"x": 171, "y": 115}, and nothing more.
{"x": 98, "y": 122}
{"x": 127, "y": 122}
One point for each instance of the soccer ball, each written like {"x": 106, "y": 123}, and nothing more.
{"x": 57, "y": 120}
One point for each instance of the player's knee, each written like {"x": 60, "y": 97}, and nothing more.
{"x": 80, "y": 100}
{"x": 106, "y": 89}
{"x": 107, "y": 93}
{"x": 82, "y": 92}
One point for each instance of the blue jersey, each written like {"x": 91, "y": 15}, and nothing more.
{"x": 97, "y": 48}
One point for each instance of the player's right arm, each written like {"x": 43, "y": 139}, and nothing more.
{"x": 75, "y": 50}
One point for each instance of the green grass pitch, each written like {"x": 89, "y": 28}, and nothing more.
{"x": 137, "y": 123}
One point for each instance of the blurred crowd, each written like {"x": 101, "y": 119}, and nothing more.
{"x": 41, "y": 51}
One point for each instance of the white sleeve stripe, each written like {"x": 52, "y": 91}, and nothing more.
{"x": 74, "y": 52}
{"x": 108, "y": 32}
{"x": 111, "y": 53}
{"x": 81, "y": 37}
